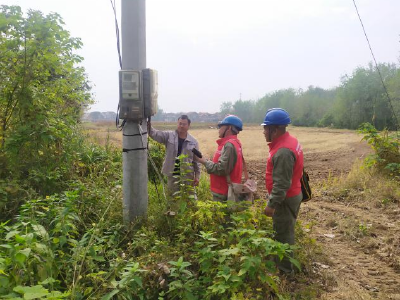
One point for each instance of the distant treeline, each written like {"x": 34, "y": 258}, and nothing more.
{"x": 202, "y": 117}
{"x": 359, "y": 98}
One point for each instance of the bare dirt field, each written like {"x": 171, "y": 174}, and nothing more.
{"x": 357, "y": 265}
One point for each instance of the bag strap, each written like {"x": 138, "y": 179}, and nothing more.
{"x": 228, "y": 179}
{"x": 246, "y": 174}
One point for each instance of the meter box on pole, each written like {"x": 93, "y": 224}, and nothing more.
{"x": 150, "y": 91}
{"x": 138, "y": 93}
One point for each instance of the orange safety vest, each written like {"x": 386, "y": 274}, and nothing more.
{"x": 218, "y": 184}
{"x": 291, "y": 143}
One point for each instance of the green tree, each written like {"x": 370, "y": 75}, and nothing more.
{"x": 361, "y": 98}
{"x": 43, "y": 92}
{"x": 244, "y": 109}
{"x": 393, "y": 85}
{"x": 311, "y": 106}
{"x": 226, "y": 108}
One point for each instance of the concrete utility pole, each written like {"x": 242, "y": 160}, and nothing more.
{"x": 135, "y": 177}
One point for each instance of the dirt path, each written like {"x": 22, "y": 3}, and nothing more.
{"x": 361, "y": 242}
{"x": 359, "y": 246}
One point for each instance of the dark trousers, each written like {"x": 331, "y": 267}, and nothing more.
{"x": 284, "y": 221}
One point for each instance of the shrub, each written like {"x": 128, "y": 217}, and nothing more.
{"x": 386, "y": 147}
{"x": 157, "y": 154}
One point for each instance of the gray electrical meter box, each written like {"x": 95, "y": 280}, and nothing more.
{"x": 150, "y": 91}
{"x": 138, "y": 94}
{"x": 130, "y": 96}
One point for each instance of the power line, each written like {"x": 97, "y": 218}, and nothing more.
{"x": 117, "y": 32}
{"x": 119, "y": 57}
{"x": 379, "y": 72}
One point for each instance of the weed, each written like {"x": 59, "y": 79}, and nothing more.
{"x": 368, "y": 186}
{"x": 387, "y": 150}
{"x": 157, "y": 154}
{"x": 363, "y": 229}
{"x": 353, "y": 229}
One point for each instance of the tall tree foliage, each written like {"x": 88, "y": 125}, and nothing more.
{"x": 43, "y": 91}
{"x": 311, "y": 105}
{"x": 306, "y": 107}
{"x": 360, "y": 98}
{"x": 226, "y": 108}
{"x": 244, "y": 108}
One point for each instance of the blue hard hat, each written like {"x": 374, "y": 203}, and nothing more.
{"x": 232, "y": 120}
{"x": 276, "y": 116}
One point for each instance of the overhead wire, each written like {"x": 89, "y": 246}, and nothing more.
{"x": 379, "y": 72}
{"x": 117, "y": 32}
{"x": 119, "y": 58}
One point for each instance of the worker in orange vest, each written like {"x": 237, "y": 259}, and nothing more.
{"x": 227, "y": 160}
{"x": 282, "y": 178}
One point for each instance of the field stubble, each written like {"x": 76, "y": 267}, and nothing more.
{"x": 313, "y": 140}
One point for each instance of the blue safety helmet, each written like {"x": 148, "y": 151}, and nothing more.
{"x": 276, "y": 116}
{"x": 232, "y": 120}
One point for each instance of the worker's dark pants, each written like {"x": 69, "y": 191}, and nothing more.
{"x": 284, "y": 221}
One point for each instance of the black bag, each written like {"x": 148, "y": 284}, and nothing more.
{"x": 305, "y": 187}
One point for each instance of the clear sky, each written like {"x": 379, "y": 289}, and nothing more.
{"x": 210, "y": 51}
